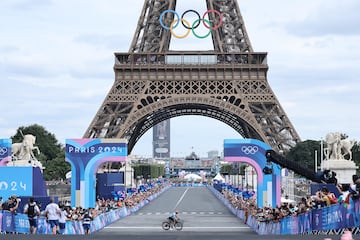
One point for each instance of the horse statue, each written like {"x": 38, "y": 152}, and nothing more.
{"x": 24, "y": 150}
{"x": 345, "y": 147}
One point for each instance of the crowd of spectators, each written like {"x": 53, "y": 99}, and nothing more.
{"x": 322, "y": 198}
{"x": 129, "y": 199}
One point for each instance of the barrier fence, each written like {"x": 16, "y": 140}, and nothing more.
{"x": 19, "y": 223}
{"x": 334, "y": 218}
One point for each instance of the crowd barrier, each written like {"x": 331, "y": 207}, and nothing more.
{"x": 19, "y": 223}
{"x": 334, "y": 218}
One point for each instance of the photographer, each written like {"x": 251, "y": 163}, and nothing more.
{"x": 32, "y": 210}
{"x": 11, "y": 204}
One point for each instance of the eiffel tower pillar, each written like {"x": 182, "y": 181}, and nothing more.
{"x": 229, "y": 83}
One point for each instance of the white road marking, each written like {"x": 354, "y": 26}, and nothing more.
{"x": 181, "y": 198}
{"x": 183, "y": 228}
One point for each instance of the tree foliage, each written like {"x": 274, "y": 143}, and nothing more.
{"x": 356, "y": 155}
{"x": 148, "y": 171}
{"x": 57, "y": 168}
{"x": 304, "y": 153}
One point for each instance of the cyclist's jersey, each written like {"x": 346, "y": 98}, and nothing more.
{"x": 172, "y": 215}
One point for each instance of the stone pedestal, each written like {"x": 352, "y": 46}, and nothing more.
{"x": 344, "y": 169}
{"x": 26, "y": 163}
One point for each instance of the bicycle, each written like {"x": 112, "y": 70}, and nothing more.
{"x": 167, "y": 224}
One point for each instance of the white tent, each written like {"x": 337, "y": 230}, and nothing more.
{"x": 192, "y": 177}
{"x": 219, "y": 178}
{"x": 287, "y": 200}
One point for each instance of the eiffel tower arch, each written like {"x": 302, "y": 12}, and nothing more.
{"x": 229, "y": 84}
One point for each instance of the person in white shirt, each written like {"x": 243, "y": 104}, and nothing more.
{"x": 53, "y": 213}
{"x": 62, "y": 219}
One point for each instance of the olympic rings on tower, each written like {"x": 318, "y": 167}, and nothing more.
{"x": 189, "y": 26}
{"x": 249, "y": 149}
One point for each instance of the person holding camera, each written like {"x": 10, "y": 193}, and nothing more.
{"x": 11, "y": 204}
{"x": 32, "y": 210}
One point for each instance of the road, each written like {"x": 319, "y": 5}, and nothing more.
{"x": 204, "y": 216}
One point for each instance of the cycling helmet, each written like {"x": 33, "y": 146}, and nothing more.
{"x": 176, "y": 211}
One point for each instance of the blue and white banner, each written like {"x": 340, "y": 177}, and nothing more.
{"x": 16, "y": 180}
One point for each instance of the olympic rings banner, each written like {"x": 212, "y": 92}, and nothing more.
{"x": 166, "y": 15}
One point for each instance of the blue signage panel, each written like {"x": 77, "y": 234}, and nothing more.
{"x": 15, "y": 180}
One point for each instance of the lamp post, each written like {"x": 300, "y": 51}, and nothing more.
{"x": 252, "y": 178}
{"x": 321, "y": 154}
{"x": 132, "y": 175}
{"x": 125, "y": 175}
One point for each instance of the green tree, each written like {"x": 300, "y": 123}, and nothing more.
{"x": 304, "y": 153}
{"x": 356, "y": 155}
{"x": 57, "y": 168}
{"x": 148, "y": 171}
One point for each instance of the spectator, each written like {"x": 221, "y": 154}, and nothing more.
{"x": 52, "y": 213}
{"x": 11, "y": 204}
{"x": 86, "y": 221}
{"x": 344, "y": 193}
{"x": 62, "y": 219}
{"x": 32, "y": 210}
{"x": 328, "y": 196}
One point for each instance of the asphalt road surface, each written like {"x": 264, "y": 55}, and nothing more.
{"x": 204, "y": 216}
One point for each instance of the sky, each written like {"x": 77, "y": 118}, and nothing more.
{"x": 57, "y": 57}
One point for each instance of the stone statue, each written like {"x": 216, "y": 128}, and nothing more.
{"x": 332, "y": 151}
{"x": 345, "y": 147}
{"x": 23, "y": 152}
{"x": 337, "y": 148}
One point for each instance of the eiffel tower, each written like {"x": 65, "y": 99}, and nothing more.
{"x": 229, "y": 84}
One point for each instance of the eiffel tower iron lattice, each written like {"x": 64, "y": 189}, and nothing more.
{"x": 229, "y": 84}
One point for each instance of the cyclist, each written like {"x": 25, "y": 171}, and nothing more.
{"x": 173, "y": 218}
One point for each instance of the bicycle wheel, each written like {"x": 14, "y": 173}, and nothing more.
{"x": 165, "y": 225}
{"x": 178, "y": 226}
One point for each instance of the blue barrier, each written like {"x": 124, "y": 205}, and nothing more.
{"x": 334, "y": 217}
{"x": 19, "y": 223}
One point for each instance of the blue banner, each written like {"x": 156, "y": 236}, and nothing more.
{"x": 8, "y": 222}
{"x": 21, "y": 223}
{"x": 16, "y": 180}
{"x": 1, "y": 217}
